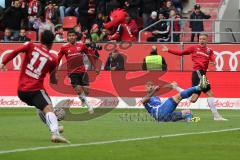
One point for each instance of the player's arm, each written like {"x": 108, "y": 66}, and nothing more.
{"x": 212, "y": 58}
{"x": 13, "y": 54}
{"x": 178, "y": 52}
{"x": 60, "y": 55}
{"x": 52, "y": 72}
{"x": 149, "y": 95}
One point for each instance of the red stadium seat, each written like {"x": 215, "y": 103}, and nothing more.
{"x": 32, "y": 35}
{"x": 69, "y": 22}
{"x": 145, "y": 35}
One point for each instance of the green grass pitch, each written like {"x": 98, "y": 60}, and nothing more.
{"x": 22, "y": 129}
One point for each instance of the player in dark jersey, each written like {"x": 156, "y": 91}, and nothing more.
{"x": 165, "y": 112}
{"x": 74, "y": 52}
{"x": 201, "y": 57}
{"x": 37, "y": 63}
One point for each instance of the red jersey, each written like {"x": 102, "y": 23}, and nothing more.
{"x": 201, "y": 56}
{"x": 37, "y": 63}
{"x": 74, "y": 54}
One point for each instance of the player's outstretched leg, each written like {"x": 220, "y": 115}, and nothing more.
{"x": 42, "y": 115}
{"x": 216, "y": 116}
{"x": 188, "y": 92}
{"x": 210, "y": 100}
{"x": 52, "y": 123}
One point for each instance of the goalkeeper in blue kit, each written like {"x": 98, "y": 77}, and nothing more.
{"x": 165, "y": 112}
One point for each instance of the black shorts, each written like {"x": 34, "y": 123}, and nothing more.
{"x": 79, "y": 79}
{"x": 39, "y": 99}
{"x": 196, "y": 75}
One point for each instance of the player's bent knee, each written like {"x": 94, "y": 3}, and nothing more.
{"x": 86, "y": 92}
{"x": 194, "y": 98}
{"x": 78, "y": 89}
{"x": 177, "y": 98}
{"x": 209, "y": 93}
{"x": 48, "y": 108}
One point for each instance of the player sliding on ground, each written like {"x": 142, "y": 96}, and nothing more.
{"x": 37, "y": 63}
{"x": 165, "y": 111}
{"x": 201, "y": 57}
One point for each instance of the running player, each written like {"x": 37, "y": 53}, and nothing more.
{"x": 74, "y": 52}
{"x": 37, "y": 63}
{"x": 201, "y": 57}
{"x": 165, "y": 111}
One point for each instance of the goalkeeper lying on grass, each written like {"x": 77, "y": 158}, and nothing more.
{"x": 165, "y": 112}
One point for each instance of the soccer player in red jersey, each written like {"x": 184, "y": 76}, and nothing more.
{"x": 74, "y": 52}
{"x": 201, "y": 57}
{"x": 37, "y": 63}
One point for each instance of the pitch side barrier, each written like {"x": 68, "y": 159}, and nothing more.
{"x": 227, "y": 55}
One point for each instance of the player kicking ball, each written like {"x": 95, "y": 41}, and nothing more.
{"x": 165, "y": 112}
{"x": 37, "y": 63}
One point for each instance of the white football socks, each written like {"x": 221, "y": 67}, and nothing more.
{"x": 177, "y": 88}
{"x": 84, "y": 101}
{"x": 212, "y": 107}
{"x": 52, "y": 122}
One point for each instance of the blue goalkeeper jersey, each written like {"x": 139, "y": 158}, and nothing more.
{"x": 153, "y": 103}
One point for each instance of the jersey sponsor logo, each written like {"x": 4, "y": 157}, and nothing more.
{"x": 74, "y": 54}
{"x": 202, "y": 53}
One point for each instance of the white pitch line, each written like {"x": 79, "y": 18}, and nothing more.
{"x": 114, "y": 141}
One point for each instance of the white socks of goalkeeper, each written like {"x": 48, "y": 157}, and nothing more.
{"x": 52, "y": 122}
{"x": 178, "y": 89}
{"x": 84, "y": 101}
{"x": 215, "y": 113}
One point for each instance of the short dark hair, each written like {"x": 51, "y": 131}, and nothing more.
{"x": 47, "y": 38}
{"x": 71, "y": 31}
{"x": 7, "y": 29}
{"x": 197, "y": 6}
{"x": 23, "y": 28}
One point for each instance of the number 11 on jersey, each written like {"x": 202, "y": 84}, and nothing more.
{"x": 32, "y": 70}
